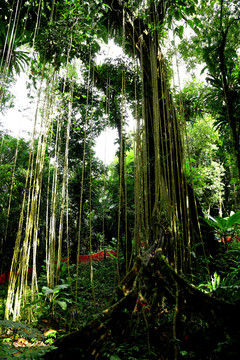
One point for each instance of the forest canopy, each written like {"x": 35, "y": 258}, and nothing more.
{"x": 158, "y": 229}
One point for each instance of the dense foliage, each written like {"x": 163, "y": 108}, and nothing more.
{"x": 173, "y": 188}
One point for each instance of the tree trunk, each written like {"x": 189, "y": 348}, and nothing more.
{"x": 168, "y": 188}
{"x": 152, "y": 280}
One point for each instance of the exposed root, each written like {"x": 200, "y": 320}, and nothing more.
{"x": 149, "y": 285}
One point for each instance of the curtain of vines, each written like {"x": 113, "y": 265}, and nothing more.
{"x": 161, "y": 194}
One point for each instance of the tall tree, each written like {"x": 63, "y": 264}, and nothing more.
{"x": 163, "y": 143}
{"x": 170, "y": 219}
{"x": 215, "y": 45}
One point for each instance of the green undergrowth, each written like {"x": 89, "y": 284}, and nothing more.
{"x": 58, "y": 311}
{"x": 222, "y": 278}
{"x": 21, "y": 341}
{"x": 3, "y": 292}
{"x": 69, "y": 309}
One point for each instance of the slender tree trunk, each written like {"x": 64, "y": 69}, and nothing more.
{"x": 234, "y": 128}
{"x": 229, "y": 105}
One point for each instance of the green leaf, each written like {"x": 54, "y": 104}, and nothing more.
{"x": 47, "y": 291}
{"x": 221, "y": 222}
{"x": 180, "y": 31}
{"x": 184, "y": 353}
{"x": 114, "y": 357}
{"x": 62, "y": 304}
{"x": 178, "y": 14}
{"x": 217, "y": 223}
{"x": 234, "y": 219}
{"x": 62, "y": 286}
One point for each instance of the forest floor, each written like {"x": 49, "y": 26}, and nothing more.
{"x": 145, "y": 338}
{"x": 19, "y": 340}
